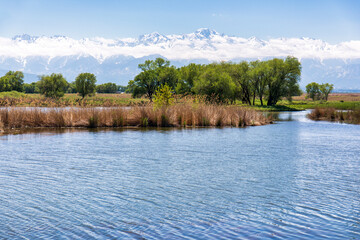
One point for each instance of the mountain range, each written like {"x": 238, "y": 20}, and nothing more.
{"x": 116, "y": 60}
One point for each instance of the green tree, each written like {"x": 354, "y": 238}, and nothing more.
{"x": 240, "y": 73}
{"x": 12, "y": 81}
{"x": 216, "y": 85}
{"x": 168, "y": 75}
{"x": 272, "y": 79}
{"x": 53, "y": 86}
{"x": 71, "y": 88}
{"x": 163, "y": 96}
{"x": 284, "y": 78}
{"x": 107, "y": 88}
{"x": 85, "y": 84}
{"x": 122, "y": 89}
{"x": 259, "y": 75}
{"x": 5, "y": 84}
{"x": 145, "y": 83}
{"x": 313, "y": 91}
{"x": 325, "y": 90}
{"x": 31, "y": 88}
{"x": 130, "y": 87}
{"x": 154, "y": 74}
{"x": 188, "y": 75}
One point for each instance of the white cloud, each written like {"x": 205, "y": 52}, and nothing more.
{"x": 200, "y": 45}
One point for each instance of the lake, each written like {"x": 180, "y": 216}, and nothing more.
{"x": 296, "y": 179}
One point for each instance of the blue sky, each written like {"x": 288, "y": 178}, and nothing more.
{"x": 329, "y": 20}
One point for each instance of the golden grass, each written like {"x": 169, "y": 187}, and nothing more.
{"x": 178, "y": 115}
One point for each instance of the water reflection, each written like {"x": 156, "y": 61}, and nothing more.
{"x": 288, "y": 116}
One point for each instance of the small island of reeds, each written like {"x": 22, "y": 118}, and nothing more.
{"x": 334, "y": 115}
{"x": 178, "y": 115}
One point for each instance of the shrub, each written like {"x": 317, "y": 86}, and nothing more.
{"x": 163, "y": 96}
{"x": 12, "y": 94}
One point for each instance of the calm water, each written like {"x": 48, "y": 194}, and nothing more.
{"x": 297, "y": 179}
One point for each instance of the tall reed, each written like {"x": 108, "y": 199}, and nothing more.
{"x": 178, "y": 115}
{"x": 331, "y": 114}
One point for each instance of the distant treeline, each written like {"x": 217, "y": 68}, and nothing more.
{"x": 222, "y": 82}
{"x": 14, "y": 81}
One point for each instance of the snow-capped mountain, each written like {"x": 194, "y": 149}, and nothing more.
{"x": 116, "y": 60}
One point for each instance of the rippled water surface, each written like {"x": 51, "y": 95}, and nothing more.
{"x": 296, "y": 179}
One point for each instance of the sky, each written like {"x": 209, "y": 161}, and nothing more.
{"x": 333, "y": 21}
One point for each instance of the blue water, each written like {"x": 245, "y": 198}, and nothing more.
{"x": 296, "y": 179}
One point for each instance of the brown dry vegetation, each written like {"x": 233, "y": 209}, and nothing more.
{"x": 331, "y": 114}
{"x": 346, "y": 97}
{"x": 179, "y": 115}
{"x": 69, "y": 100}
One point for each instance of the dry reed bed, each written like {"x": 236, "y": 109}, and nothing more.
{"x": 331, "y": 114}
{"x": 179, "y": 115}
{"x": 347, "y": 97}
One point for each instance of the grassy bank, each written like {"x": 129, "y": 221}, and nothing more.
{"x": 179, "y": 115}
{"x": 340, "y": 101}
{"x": 333, "y": 115}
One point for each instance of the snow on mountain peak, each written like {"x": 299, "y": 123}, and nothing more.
{"x": 25, "y": 37}
{"x": 205, "y": 33}
{"x": 152, "y": 38}
{"x": 204, "y": 43}
{"x": 118, "y": 58}
{"x": 256, "y": 41}
{"x": 59, "y": 37}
